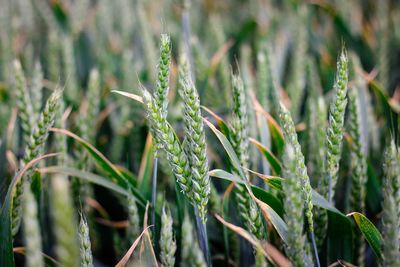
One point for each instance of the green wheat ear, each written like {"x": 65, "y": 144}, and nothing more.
{"x": 293, "y": 204}
{"x": 164, "y": 134}
{"x": 162, "y": 85}
{"x": 36, "y": 88}
{"x": 33, "y": 149}
{"x": 63, "y": 215}
{"x": 191, "y": 253}
{"x": 290, "y": 136}
{"x": 33, "y": 239}
{"x": 358, "y": 167}
{"x": 195, "y": 143}
{"x": 335, "y": 128}
{"x": 84, "y": 242}
{"x": 248, "y": 209}
{"x": 167, "y": 239}
{"x": 24, "y": 103}
{"x": 390, "y": 205}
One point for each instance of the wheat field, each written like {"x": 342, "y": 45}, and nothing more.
{"x": 199, "y": 133}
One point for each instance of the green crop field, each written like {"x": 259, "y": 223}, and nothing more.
{"x": 199, "y": 133}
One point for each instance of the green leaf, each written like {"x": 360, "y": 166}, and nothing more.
{"x": 369, "y": 231}
{"x": 220, "y": 122}
{"x": 96, "y": 179}
{"x": 269, "y": 156}
{"x": 146, "y": 167}
{"x": 273, "y": 181}
{"x": 101, "y": 161}
{"x": 228, "y": 148}
{"x": 129, "y": 176}
{"x": 272, "y": 206}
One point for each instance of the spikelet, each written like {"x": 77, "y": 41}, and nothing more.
{"x": 167, "y": 240}
{"x": 33, "y": 239}
{"x": 24, "y": 103}
{"x": 64, "y": 222}
{"x": 335, "y": 128}
{"x": 84, "y": 242}
{"x": 195, "y": 144}
{"x": 290, "y": 136}
{"x": 165, "y": 135}
{"x": 390, "y": 214}
{"x": 358, "y": 167}
{"x": 32, "y": 150}
{"x": 294, "y": 207}
{"x": 191, "y": 253}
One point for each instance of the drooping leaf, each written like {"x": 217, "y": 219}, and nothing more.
{"x": 101, "y": 161}
{"x": 265, "y": 249}
{"x": 228, "y": 148}
{"x": 146, "y": 167}
{"x": 96, "y": 179}
{"x": 269, "y": 156}
{"x": 258, "y": 192}
{"x": 273, "y": 181}
{"x": 220, "y": 122}
{"x": 369, "y": 231}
